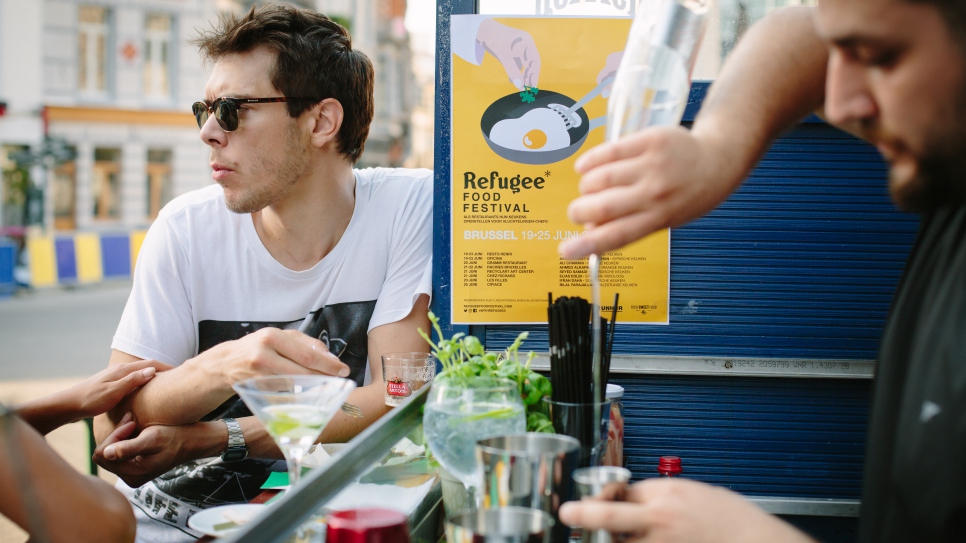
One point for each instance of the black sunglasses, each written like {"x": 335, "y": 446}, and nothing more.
{"x": 225, "y": 110}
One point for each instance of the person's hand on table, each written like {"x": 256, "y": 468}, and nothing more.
{"x": 658, "y": 178}
{"x": 95, "y": 395}
{"x": 681, "y": 511}
{"x": 156, "y": 449}
{"x": 515, "y": 49}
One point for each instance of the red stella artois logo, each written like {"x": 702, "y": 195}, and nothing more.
{"x": 398, "y": 388}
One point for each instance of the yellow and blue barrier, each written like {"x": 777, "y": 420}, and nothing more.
{"x": 82, "y": 258}
{"x": 8, "y": 259}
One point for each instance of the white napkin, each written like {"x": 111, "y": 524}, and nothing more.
{"x": 404, "y": 500}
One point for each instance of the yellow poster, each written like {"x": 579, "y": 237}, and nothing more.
{"x": 528, "y": 99}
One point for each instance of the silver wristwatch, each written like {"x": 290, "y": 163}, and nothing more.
{"x": 236, "y": 442}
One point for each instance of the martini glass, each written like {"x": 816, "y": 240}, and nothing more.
{"x": 294, "y": 409}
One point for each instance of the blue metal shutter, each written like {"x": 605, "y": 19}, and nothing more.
{"x": 758, "y": 436}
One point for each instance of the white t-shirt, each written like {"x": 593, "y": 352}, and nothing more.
{"x": 203, "y": 276}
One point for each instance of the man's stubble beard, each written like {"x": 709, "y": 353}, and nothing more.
{"x": 939, "y": 179}
{"x": 273, "y": 179}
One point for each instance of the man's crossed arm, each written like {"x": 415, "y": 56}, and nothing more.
{"x": 168, "y": 410}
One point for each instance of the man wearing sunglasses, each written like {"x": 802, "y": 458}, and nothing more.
{"x": 293, "y": 263}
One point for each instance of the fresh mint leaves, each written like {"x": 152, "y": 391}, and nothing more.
{"x": 464, "y": 357}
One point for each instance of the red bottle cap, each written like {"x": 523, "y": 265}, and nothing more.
{"x": 669, "y": 465}
{"x": 367, "y": 525}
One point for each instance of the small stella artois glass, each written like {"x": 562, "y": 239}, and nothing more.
{"x": 406, "y": 373}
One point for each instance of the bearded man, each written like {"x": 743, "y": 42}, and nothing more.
{"x": 894, "y": 73}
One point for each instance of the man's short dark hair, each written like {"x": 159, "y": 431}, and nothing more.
{"x": 954, "y": 13}
{"x": 314, "y": 59}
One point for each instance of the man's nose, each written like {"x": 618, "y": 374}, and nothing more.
{"x": 212, "y": 134}
{"x": 847, "y": 94}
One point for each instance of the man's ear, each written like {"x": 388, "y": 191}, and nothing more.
{"x": 327, "y": 116}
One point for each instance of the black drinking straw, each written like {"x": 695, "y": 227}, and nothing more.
{"x": 568, "y": 341}
{"x": 579, "y": 352}
{"x": 563, "y": 349}
{"x": 610, "y": 341}
{"x": 589, "y": 360}
{"x": 582, "y": 359}
{"x": 551, "y": 339}
{"x": 573, "y": 348}
{"x": 558, "y": 382}
{"x": 564, "y": 346}
{"x": 575, "y": 360}
{"x": 599, "y": 394}
{"x": 559, "y": 349}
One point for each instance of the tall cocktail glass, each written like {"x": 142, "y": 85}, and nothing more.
{"x": 459, "y": 411}
{"x": 651, "y": 86}
{"x": 294, "y": 409}
{"x": 651, "y": 93}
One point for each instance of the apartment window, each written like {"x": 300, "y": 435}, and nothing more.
{"x": 65, "y": 195}
{"x": 159, "y": 180}
{"x": 92, "y": 50}
{"x": 157, "y": 55}
{"x": 106, "y": 183}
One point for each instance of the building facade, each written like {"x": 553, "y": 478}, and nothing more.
{"x": 378, "y": 30}
{"x": 110, "y": 84}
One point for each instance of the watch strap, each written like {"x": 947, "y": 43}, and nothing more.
{"x": 236, "y": 442}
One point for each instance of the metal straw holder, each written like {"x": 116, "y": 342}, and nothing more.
{"x": 577, "y": 420}
{"x": 529, "y": 470}
{"x": 503, "y": 525}
{"x": 602, "y": 482}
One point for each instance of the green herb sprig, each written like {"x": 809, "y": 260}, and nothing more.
{"x": 464, "y": 357}
{"x": 529, "y": 94}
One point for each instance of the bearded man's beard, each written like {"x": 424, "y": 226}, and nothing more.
{"x": 274, "y": 178}
{"x": 939, "y": 180}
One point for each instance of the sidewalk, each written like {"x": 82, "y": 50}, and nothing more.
{"x": 59, "y": 333}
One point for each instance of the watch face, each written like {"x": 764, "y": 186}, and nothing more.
{"x": 234, "y": 455}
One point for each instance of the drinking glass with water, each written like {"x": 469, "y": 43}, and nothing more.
{"x": 460, "y": 411}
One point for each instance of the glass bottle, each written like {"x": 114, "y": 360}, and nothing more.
{"x": 669, "y": 466}
{"x": 615, "y": 428}
{"x": 368, "y": 525}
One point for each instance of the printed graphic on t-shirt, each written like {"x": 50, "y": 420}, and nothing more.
{"x": 159, "y": 506}
{"x": 206, "y": 483}
{"x": 342, "y": 326}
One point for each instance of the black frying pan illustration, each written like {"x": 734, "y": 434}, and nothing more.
{"x": 512, "y": 107}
